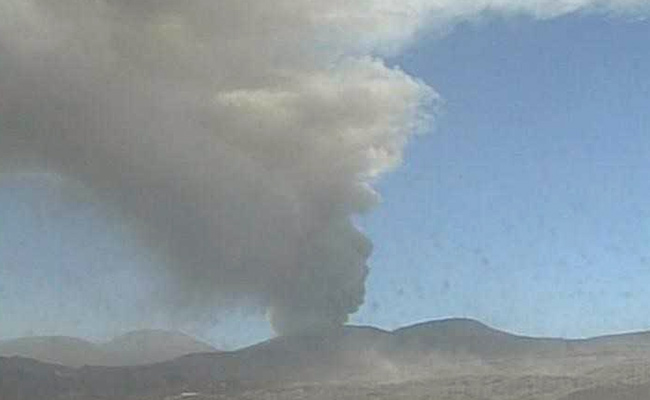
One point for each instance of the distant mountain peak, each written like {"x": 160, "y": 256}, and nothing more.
{"x": 148, "y": 335}
{"x": 456, "y": 326}
{"x": 136, "y": 347}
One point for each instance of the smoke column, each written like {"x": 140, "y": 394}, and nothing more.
{"x": 237, "y": 137}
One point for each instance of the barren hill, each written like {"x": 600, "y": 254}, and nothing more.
{"x": 446, "y": 360}
{"x": 138, "y": 347}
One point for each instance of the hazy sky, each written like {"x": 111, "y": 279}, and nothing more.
{"x": 525, "y": 206}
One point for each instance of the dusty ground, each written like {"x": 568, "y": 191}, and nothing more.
{"x": 589, "y": 377}
{"x": 448, "y": 360}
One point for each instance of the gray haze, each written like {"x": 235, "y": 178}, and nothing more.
{"x": 237, "y": 138}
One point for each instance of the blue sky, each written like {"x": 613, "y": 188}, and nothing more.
{"x": 525, "y": 207}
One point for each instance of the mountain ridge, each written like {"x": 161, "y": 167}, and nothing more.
{"x": 131, "y": 348}
{"x": 452, "y": 350}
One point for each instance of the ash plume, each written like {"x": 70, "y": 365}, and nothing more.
{"x": 237, "y": 137}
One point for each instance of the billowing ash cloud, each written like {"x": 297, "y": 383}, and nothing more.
{"x": 238, "y": 137}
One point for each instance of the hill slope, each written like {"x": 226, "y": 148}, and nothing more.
{"x": 134, "y": 348}
{"x": 449, "y": 359}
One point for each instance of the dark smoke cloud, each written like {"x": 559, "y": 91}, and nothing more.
{"x": 238, "y": 137}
